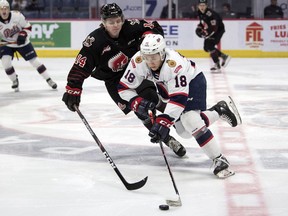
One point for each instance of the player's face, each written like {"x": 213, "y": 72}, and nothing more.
{"x": 113, "y": 26}
{"x": 153, "y": 61}
{"x": 4, "y": 12}
{"x": 202, "y": 7}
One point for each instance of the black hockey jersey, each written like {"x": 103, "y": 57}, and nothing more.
{"x": 211, "y": 21}
{"x": 106, "y": 58}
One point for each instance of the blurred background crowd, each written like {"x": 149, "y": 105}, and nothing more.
{"x": 184, "y": 9}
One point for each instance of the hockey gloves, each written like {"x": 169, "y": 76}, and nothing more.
{"x": 141, "y": 106}
{"x": 200, "y": 32}
{"x": 21, "y": 37}
{"x": 161, "y": 128}
{"x": 72, "y": 96}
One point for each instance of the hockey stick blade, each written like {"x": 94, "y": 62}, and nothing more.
{"x": 136, "y": 185}
{"x": 129, "y": 186}
{"x": 175, "y": 203}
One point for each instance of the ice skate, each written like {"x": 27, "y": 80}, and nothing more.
{"x": 221, "y": 167}
{"x": 15, "y": 85}
{"x": 176, "y": 146}
{"x": 225, "y": 60}
{"x": 228, "y": 112}
{"x": 51, "y": 83}
{"x": 216, "y": 68}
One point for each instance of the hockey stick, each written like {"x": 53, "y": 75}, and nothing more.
{"x": 175, "y": 203}
{"x": 178, "y": 202}
{"x": 129, "y": 186}
{"x": 4, "y": 43}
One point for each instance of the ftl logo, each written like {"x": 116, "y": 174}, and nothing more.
{"x": 254, "y": 37}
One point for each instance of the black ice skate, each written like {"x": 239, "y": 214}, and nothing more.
{"x": 228, "y": 112}
{"x": 176, "y": 146}
{"x": 225, "y": 60}
{"x": 221, "y": 169}
{"x": 15, "y": 84}
{"x": 216, "y": 68}
{"x": 51, "y": 83}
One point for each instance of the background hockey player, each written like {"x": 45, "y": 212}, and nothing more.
{"x": 14, "y": 35}
{"x": 184, "y": 87}
{"x": 106, "y": 53}
{"x": 211, "y": 28}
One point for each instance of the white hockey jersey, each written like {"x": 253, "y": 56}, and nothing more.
{"x": 10, "y": 29}
{"x": 172, "y": 81}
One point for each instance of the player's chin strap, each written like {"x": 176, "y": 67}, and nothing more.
{"x": 129, "y": 186}
{"x": 175, "y": 203}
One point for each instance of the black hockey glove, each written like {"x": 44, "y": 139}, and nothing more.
{"x": 161, "y": 128}
{"x": 72, "y": 96}
{"x": 200, "y": 32}
{"x": 21, "y": 37}
{"x": 141, "y": 106}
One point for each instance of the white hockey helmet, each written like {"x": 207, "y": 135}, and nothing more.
{"x": 4, "y": 3}
{"x": 152, "y": 44}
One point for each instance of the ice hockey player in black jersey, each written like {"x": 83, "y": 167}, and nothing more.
{"x": 211, "y": 28}
{"x": 105, "y": 55}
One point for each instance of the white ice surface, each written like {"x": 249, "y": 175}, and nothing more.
{"x": 50, "y": 164}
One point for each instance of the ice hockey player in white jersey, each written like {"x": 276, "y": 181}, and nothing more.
{"x": 184, "y": 88}
{"x": 14, "y": 35}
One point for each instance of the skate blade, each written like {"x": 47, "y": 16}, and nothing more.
{"x": 226, "y": 62}
{"x": 226, "y": 173}
{"x": 235, "y": 110}
{"x": 216, "y": 71}
{"x": 16, "y": 89}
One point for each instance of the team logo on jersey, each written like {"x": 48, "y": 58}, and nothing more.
{"x": 138, "y": 59}
{"x": 106, "y": 49}
{"x": 208, "y": 13}
{"x": 118, "y": 62}
{"x": 88, "y": 41}
{"x": 149, "y": 25}
{"x": 133, "y": 21}
{"x": 121, "y": 106}
{"x": 213, "y": 22}
{"x": 11, "y": 32}
{"x": 171, "y": 63}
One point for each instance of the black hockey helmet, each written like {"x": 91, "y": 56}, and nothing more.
{"x": 202, "y": 1}
{"x": 110, "y": 10}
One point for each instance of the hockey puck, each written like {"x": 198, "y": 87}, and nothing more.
{"x": 164, "y": 207}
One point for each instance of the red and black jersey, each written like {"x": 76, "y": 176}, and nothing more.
{"x": 106, "y": 58}
{"x": 211, "y": 21}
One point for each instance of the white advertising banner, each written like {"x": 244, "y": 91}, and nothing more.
{"x": 263, "y": 35}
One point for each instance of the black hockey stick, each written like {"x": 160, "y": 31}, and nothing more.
{"x": 171, "y": 202}
{"x": 178, "y": 202}
{"x": 129, "y": 186}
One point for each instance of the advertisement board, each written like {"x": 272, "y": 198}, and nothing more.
{"x": 242, "y": 38}
{"x": 51, "y": 34}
